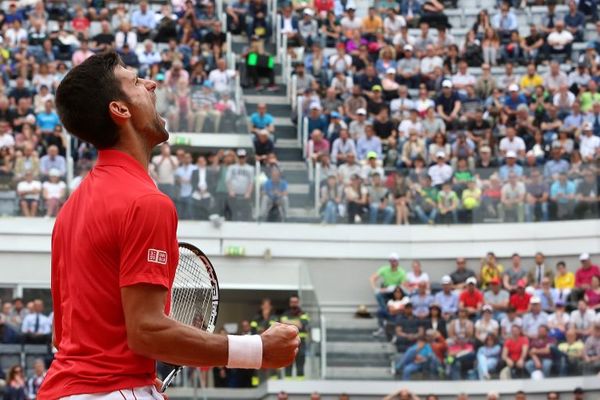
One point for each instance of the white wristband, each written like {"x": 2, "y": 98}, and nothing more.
{"x": 244, "y": 351}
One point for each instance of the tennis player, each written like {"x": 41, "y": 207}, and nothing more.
{"x": 114, "y": 255}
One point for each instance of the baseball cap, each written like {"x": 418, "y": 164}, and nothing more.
{"x": 513, "y": 88}
{"x": 350, "y": 7}
{"x": 521, "y": 283}
{"x": 587, "y": 126}
{"x": 394, "y": 256}
{"x": 495, "y": 281}
{"x": 53, "y": 172}
{"x": 584, "y": 257}
{"x": 471, "y": 280}
{"x": 315, "y": 105}
{"x": 487, "y": 307}
{"x": 361, "y": 111}
{"x": 485, "y": 149}
{"x": 371, "y": 154}
{"x": 440, "y": 154}
{"x": 447, "y": 83}
{"x": 377, "y": 88}
{"x": 535, "y": 300}
{"x": 241, "y": 152}
{"x": 446, "y": 280}
{"x": 390, "y": 71}
{"x": 309, "y": 11}
{"x": 408, "y": 47}
{"x": 335, "y": 114}
{"x": 511, "y": 154}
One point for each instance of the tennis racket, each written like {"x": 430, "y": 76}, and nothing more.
{"x": 194, "y": 295}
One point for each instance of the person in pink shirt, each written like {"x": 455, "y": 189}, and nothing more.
{"x": 81, "y": 54}
{"x": 583, "y": 276}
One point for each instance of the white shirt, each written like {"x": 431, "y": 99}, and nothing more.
{"x": 400, "y": 106}
{"x": 407, "y": 125}
{"x": 7, "y": 140}
{"x": 584, "y": 321}
{"x": 559, "y": 40}
{"x": 588, "y": 145}
{"x": 287, "y": 26}
{"x": 428, "y": 64}
{"x": 415, "y": 280}
{"x": 563, "y": 102}
{"x": 516, "y": 145}
{"x": 555, "y": 320}
{"x": 165, "y": 170}
{"x": 348, "y": 23}
{"x": 44, "y": 324}
{"x": 440, "y": 173}
{"x": 463, "y": 79}
{"x": 221, "y": 79}
{"x": 25, "y": 186}
{"x": 392, "y": 26}
{"x": 54, "y": 190}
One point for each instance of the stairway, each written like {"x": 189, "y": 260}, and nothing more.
{"x": 353, "y": 352}
{"x": 287, "y": 147}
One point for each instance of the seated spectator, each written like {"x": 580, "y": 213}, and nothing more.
{"x": 421, "y": 300}
{"x": 554, "y": 77}
{"x": 29, "y": 191}
{"x": 471, "y": 299}
{"x": 348, "y": 169}
{"x": 369, "y": 143}
{"x": 548, "y": 295}
{"x": 461, "y": 349}
{"x": 331, "y": 199}
{"x": 275, "y": 195}
{"x": 461, "y": 274}
{"x": 408, "y": 328}
{"x": 53, "y": 160}
{"x": 584, "y": 274}
{"x": 394, "y": 308}
{"x": 448, "y": 105}
{"x": 591, "y": 351}
{"x": 261, "y": 119}
{"x": 560, "y": 41}
{"x": 558, "y": 321}
{"x": 534, "y": 318}
{"x": 571, "y": 354}
{"x": 505, "y": 21}
{"x": 342, "y": 146}
{"x": 426, "y": 201}
{"x": 511, "y": 166}
{"x": 447, "y": 299}
{"x": 34, "y": 382}
{"x": 582, "y": 319}
{"x": 417, "y": 358}
{"x": 470, "y": 203}
{"x": 336, "y": 125}
{"x": 564, "y": 281}
{"x": 372, "y": 166}
{"x": 589, "y": 144}
{"x": 539, "y": 271}
{"x": 386, "y": 279}
{"x": 37, "y": 327}
{"x": 486, "y": 325}
{"x": 488, "y": 357}
{"x": 490, "y": 269}
{"x": 537, "y": 198}
{"x": 587, "y": 197}
{"x": 317, "y": 145}
{"x": 592, "y": 295}
{"x": 440, "y": 172}
{"x": 514, "y": 274}
{"x": 497, "y": 298}
{"x": 448, "y": 204}
{"x": 575, "y": 22}
{"x": 263, "y": 145}
{"x": 54, "y": 192}
{"x": 540, "y": 353}
{"x": 562, "y": 194}
{"x": 515, "y": 351}
{"x": 437, "y": 323}
{"x": 519, "y": 300}
{"x": 47, "y": 120}
{"x": 379, "y": 206}
{"x": 412, "y": 149}
{"x": 357, "y": 200}
{"x": 508, "y": 321}
{"x": 513, "y": 200}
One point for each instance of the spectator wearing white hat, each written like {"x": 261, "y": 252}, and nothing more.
{"x": 471, "y": 299}
{"x": 440, "y": 172}
{"x": 513, "y": 143}
{"x": 448, "y": 105}
{"x": 510, "y": 167}
{"x": 535, "y": 318}
{"x": 589, "y": 144}
{"x": 240, "y": 184}
{"x": 584, "y": 274}
{"x": 447, "y": 298}
{"x": 54, "y": 191}
{"x": 386, "y": 279}
{"x": 409, "y": 67}
{"x": 308, "y": 27}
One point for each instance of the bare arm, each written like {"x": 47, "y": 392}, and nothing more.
{"x": 152, "y": 334}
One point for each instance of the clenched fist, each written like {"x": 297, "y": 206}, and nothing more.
{"x": 280, "y": 346}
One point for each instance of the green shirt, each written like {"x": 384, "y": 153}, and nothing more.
{"x": 587, "y": 99}
{"x": 463, "y": 176}
{"x": 391, "y": 278}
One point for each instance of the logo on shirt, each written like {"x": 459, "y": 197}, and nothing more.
{"x": 157, "y": 256}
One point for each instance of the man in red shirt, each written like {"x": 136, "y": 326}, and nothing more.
{"x": 471, "y": 298}
{"x": 519, "y": 300}
{"x": 515, "y": 351}
{"x": 583, "y": 276}
{"x": 110, "y": 297}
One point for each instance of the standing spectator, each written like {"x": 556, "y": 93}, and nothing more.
{"x": 29, "y": 191}
{"x": 515, "y": 351}
{"x": 240, "y": 184}
{"x": 461, "y": 274}
{"x": 35, "y": 380}
{"x": 514, "y": 274}
{"x": 582, "y": 319}
{"x": 54, "y": 192}
{"x": 275, "y": 194}
{"x": 297, "y": 317}
{"x": 540, "y": 353}
{"x": 37, "y": 327}
{"x": 539, "y": 271}
{"x": 471, "y": 299}
{"x": 163, "y": 170}
{"x": 183, "y": 179}
{"x": 386, "y": 279}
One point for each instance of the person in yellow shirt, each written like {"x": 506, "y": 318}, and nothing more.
{"x": 372, "y": 23}
{"x": 564, "y": 281}
{"x": 532, "y": 79}
{"x": 471, "y": 200}
{"x": 490, "y": 270}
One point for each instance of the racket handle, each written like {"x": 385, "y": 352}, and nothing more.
{"x": 169, "y": 379}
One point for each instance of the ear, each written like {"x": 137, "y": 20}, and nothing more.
{"x": 119, "y": 112}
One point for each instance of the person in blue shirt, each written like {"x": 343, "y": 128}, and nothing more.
{"x": 275, "y": 194}
{"x": 316, "y": 120}
{"x": 513, "y": 99}
{"x": 261, "y": 119}
{"x": 510, "y": 166}
{"x": 368, "y": 143}
{"x": 575, "y": 21}
{"x": 416, "y": 359}
{"x": 143, "y": 20}
{"x": 562, "y": 193}
{"x": 48, "y": 119}
{"x": 447, "y": 298}
{"x": 556, "y": 165}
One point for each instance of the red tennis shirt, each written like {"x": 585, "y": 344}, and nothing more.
{"x": 117, "y": 229}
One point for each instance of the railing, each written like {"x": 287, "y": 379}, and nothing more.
{"x": 323, "y": 347}
{"x": 277, "y": 31}
{"x": 257, "y": 190}
{"x": 317, "y": 188}
{"x": 229, "y": 54}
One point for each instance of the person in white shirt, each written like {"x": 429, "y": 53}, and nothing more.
{"x": 350, "y": 21}
{"x": 582, "y": 319}
{"x": 163, "y": 170}
{"x": 410, "y": 124}
{"x": 589, "y": 144}
{"x": 392, "y": 24}
{"x": 342, "y": 146}
{"x": 7, "y": 140}
{"x": 430, "y": 62}
{"x": 400, "y": 106}
{"x": 463, "y": 78}
{"x": 440, "y": 172}
{"x": 37, "y": 327}
{"x": 29, "y": 194}
{"x": 415, "y": 277}
{"x": 222, "y": 78}
{"x": 54, "y": 191}
{"x": 76, "y": 181}
{"x": 148, "y": 55}
{"x": 512, "y": 142}
{"x": 560, "y": 39}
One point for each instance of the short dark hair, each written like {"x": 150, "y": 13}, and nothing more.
{"x": 83, "y": 96}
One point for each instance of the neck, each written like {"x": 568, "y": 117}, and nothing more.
{"x": 137, "y": 149}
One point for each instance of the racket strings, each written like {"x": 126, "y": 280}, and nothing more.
{"x": 192, "y": 292}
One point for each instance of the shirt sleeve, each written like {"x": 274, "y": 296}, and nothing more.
{"x": 149, "y": 251}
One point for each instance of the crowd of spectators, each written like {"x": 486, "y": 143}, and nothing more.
{"x": 405, "y": 394}
{"x": 413, "y": 125}
{"x": 499, "y": 321}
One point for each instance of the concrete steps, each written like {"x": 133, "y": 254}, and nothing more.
{"x": 359, "y": 373}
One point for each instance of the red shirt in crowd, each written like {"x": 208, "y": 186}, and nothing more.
{"x": 520, "y": 302}
{"x": 471, "y": 299}
{"x": 583, "y": 276}
{"x": 115, "y": 230}
{"x": 515, "y": 347}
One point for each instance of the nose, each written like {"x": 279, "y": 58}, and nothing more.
{"x": 150, "y": 85}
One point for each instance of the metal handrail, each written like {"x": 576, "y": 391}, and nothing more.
{"x": 273, "y": 11}
{"x": 323, "y": 347}
{"x": 223, "y": 19}
{"x": 238, "y": 92}
{"x": 317, "y": 188}
{"x": 299, "y": 120}
{"x": 219, "y": 6}
{"x": 230, "y": 57}
{"x": 257, "y": 189}
{"x": 283, "y": 50}
{"x": 293, "y": 90}
{"x": 277, "y": 31}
